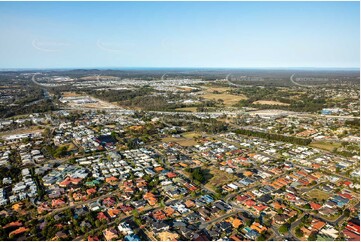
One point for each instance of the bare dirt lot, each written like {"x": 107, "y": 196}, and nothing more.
{"x": 220, "y": 178}
{"x": 86, "y": 78}
{"x": 187, "y": 139}
{"x": 187, "y": 109}
{"x": 221, "y": 93}
{"x": 76, "y": 100}
{"x": 34, "y": 129}
{"x": 267, "y": 102}
{"x": 69, "y": 94}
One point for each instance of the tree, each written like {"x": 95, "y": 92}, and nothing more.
{"x": 305, "y": 218}
{"x": 261, "y": 238}
{"x": 312, "y": 237}
{"x": 284, "y": 228}
{"x": 307, "y": 206}
{"x": 138, "y": 221}
{"x": 299, "y": 232}
{"x": 61, "y": 151}
{"x": 97, "y": 223}
{"x": 135, "y": 213}
{"x": 46, "y": 133}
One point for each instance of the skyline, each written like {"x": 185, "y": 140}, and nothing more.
{"x": 65, "y": 35}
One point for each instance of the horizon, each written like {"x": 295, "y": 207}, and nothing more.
{"x": 184, "y": 68}
{"x": 68, "y": 35}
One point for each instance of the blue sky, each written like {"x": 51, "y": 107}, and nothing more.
{"x": 179, "y": 34}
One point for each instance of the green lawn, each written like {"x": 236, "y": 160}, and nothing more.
{"x": 329, "y": 146}
{"x": 318, "y": 194}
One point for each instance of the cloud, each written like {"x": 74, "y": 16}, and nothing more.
{"x": 114, "y": 46}
{"x": 49, "y": 45}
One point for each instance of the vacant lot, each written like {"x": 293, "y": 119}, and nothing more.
{"x": 30, "y": 130}
{"x": 329, "y": 146}
{"x": 354, "y": 201}
{"x": 267, "y": 102}
{"x": 187, "y": 139}
{"x": 191, "y": 135}
{"x": 69, "y": 94}
{"x": 83, "y": 101}
{"x": 219, "y": 178}
{"x": 87, "y": 78}
{"x": 221, "y": 93}
{"x": 217, "y": 89}
{"x": 187, "y": 109}
{"x": 318, "y": 194}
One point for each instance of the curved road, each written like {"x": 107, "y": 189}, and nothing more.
{"x": 297, "y": 84}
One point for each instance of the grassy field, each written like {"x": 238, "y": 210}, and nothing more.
{"x": 186, "y": 140}
{"x": 354, "y": 201}
{"x": 187, "y": 109}
{"x": 318, "y": 194}
{"x": 97, "y": 104}
{"x": 70, "y": 146}
{"x": 218, "y": 89}
{"x": 97, "y": 77}
{"x": 228, "y": 99}
{"x": 69, "y": 94}
{"x": 191, "y": 135}
{"x": 219, "y": 178}
{"x": 267, "y": 102}
{"x": 33, "y": 129}
{"x": 329, "y": 146}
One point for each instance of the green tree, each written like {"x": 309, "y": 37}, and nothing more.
{"x": 312, "y": 237}
{"x": 284, "y": 228}
{"x": 299, "y": 233}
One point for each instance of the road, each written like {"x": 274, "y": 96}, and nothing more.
{"x": 45, "y": 85}
{"x": 124, "y": 217}
{"x": 277, "y": 236}
{"x": 57, "y": 210}
{"x": 180, "y": 173}
{"x": 309, "y": 115}
{"x": 162, "y": 78}
{"x": 334, "y": 222}
{"x": 324, "y": 171}
{"x": 307, "y": 189}
{"x": 297, "y": 84}
{"x": 294, "y": 114}
{"x": 215, "y": 220}
{"x": 295, "y": 224}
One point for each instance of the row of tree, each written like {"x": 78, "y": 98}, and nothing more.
{"x": 277, "y": 137}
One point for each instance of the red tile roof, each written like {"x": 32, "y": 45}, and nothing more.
{"x": 93, "y": 238}
{"x": 353, "y": 227}
{"x": 260, "y": 207}
{"x": 351, "y": 236}
{"x": 345, "y": 195}
{"x": 13, "y": 224}
{"x": 18, "y": 231}
{"x": 315, "y": 206}
{"x": 249, "y": 203}
{"x": 57, "y": 202}
{"x": 102, "y": 216}
{"x": 171, "y": 175}
{"x": 91, "y": 191}
{"x": 241, "y": 198}
{"x": 317, "y": 225}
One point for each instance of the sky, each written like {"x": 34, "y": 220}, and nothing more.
{"x": 179, "y": 34}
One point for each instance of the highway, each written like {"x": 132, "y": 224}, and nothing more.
{"x": 297, "y": 84}
{"x": 45, "y": 85}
